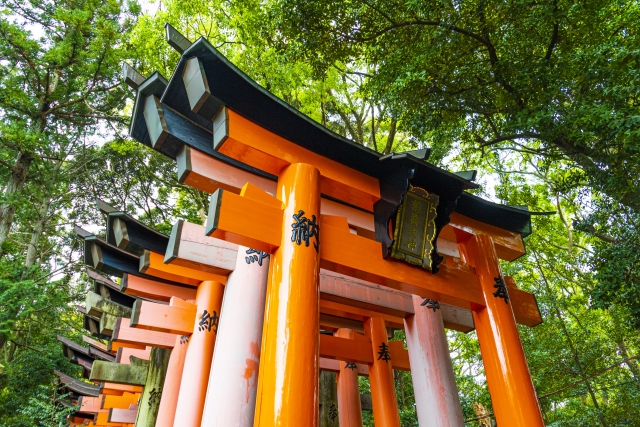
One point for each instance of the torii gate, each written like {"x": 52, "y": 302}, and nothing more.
{"x": 314, "y": 200}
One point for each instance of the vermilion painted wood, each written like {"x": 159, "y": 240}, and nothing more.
{"x": 171, "y": 388}
{"x": 162, "y": 318}
{"x": 231, "y": 394}
{"x": 102, "y": 419}
{"x": 198, "y": 170}
{"x": 190, "y": 247}
{"x": 159, "y": 291}
{"x": 123, "y": 401}
{"x": 197, "y": 364}
{"x": 152, "y": 263}
{"x": 234, "y": 225}
{"x": 208, "y": 174}
{"x": 256, "y": 146}
{"x": 119, "y": 389}
{"x": 508, "y": 244}
{"x": 434, "y": 383}
{"x": 127, "y": 416}
{"x": 91, "y": 404}
{"x": 356, "y": 256}
{"x": 125, "y": 334}
{"x": 349, "y": 408}
{"x": 513, "y": 395}
{"x": 333, "y": 347}
{"x": 355, "y": 313}
{"x": 288, "y": 382}
{"x": 333, "y": 365}
{"x": 383, "y": 392}
{"x": 124, "y": 354}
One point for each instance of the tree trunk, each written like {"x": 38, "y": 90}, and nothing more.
{"x": 574, "y": 352}
{"x": 32, "y": 251}
{"x": 16, "y": 182}
{"x": 391, "y": 137}
{"x": 328, "y": 400}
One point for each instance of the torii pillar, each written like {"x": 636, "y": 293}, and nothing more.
{"x": 197, "y": 363}
{"x": 434, "y": 383}
{"x": 349, "y": 406}
{"x": 231, "y": 394}
{"x": 513, "y": 395}
{"x": 383, "y": 389}
{"x": 289, "y": 365}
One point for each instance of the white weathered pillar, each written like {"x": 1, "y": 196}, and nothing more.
{"x": 434, "y": 384}
{"x": 231, "y": 395}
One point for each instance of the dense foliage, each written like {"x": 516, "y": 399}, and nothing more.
{"x": 540, "y": 97}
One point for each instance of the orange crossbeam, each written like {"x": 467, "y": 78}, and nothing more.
{"x": 508, "y": 244}
{"x": 152, "y": 263}
{"x": 124, "y": 334}
{"x": 163, "y": 318}
{"x": 144, "y": 288}
{"x": 90, "y": 404}
{"x": 124, "y": 353}
{"x": 123, "y": 401}
{"x": 355, "y": 313}
{"x": 355, "y": 256}
{"x": 359, "y": 351}
{"x": 119, "y": 389}
{"x": 103, "y": 420}
{"x": 236, "y": 224}
{"x": 243, "y": 140}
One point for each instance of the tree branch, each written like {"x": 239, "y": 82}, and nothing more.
{"x": 524, "y": 135}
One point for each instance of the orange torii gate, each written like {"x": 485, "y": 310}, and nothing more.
{"x": 310, "y": 204}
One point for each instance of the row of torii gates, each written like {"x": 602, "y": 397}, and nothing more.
{"x": 314, "y": 249}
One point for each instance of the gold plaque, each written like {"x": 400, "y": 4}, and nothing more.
{"x": 415, "y": 228}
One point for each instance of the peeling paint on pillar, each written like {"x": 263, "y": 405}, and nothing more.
{"x": 231, "y": 395}
{"x": 434, "y": 384}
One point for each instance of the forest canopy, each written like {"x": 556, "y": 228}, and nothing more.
{"x": 542, "y": 98}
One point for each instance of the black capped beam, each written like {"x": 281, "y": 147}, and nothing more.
{"x": 176, "y": 40}
{"x": 131, "y": 235}
{"x": 113, "y": 261}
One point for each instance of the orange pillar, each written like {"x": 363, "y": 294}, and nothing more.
{"x": 288, "y": 382}
{"x": 349, "y": 408}
{"x": 195, "y": 376}
{"x": 169, "y": 399}
{"x": 513, "y": 396}
{"x": 383, "y": 391}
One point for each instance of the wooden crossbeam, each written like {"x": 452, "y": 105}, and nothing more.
{"x": 333, "y": 365}
{"x": 118, "y": 389}
{"x": 102, "y": 419}
{"x": 190, "y": 247}
{"x": 89, "y": 404}
{"x": 233, "y": 224}
{"x": 361, "y": 351}
{"x": 124, "y": 354}
{"x": 243, "y": 140}
{"x": 123, "y": 401}
{"x": 123, "y": 415}
{"x": 152, "y": 263}
{"x": 124, "y": 334}
{"x": 152, "y": 289}
{"x": 118, "y": 373}
{"x": 208, "y": 174}
{"x": 355, "y": 256}
{"x": 163, "y": 318}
